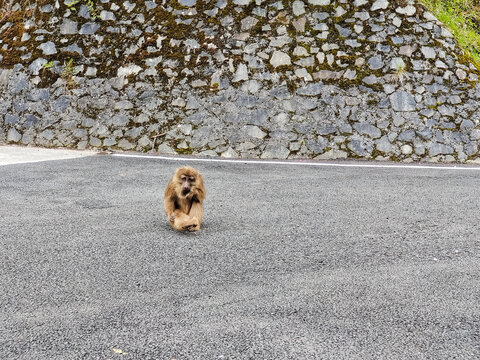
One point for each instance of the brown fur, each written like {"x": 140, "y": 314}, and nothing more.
{"x": 185, "y": 210}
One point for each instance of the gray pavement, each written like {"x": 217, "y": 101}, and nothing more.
{"x": 293, "y": 262}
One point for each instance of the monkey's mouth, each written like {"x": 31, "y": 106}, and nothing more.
{"x": 185, "y": 192}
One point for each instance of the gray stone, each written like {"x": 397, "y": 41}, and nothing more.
{"x": 241, "y": 74}
{"x": 367, "y": 129}
{"x": 37, "y": 65}
{"x": 179, "y": 102}
{"x": 428, "y": 52}
{"x": 408, "y": 10}
{"x": 13, "y": 136}
{"x": 358, "y": 3}
{"x": 408, "y": 135}
{"x": 439, "y": 149}
{"x": 68, "y": 27}
{"x": 74, "y": 48}
{"x": 360, "y": 147}
{"x": 454, "y": 99}
{"x": 166, "y": 149}
{"x": 89, "y": 28}
{"x": 107, "y": 15}
{"x": 129, "y": 6}
{"x": 350, "y": 74}
{"x": 397, "y": 64}
{"x": 407, "y": 50}
{"x": 280, "y": 41}
{"x": 426, "y": 134}
{"x": 28, "y": 138}
{"x": 319, "y": 2}
{"x": 280, "y": 59}
{"x": 187, "y": 3}
{"x": 150, "y": 5}
{"x": 248, "y": 23}
{"x": 46, "y": 134}
{"x": 91, "y": 72}
{"x": 467, "y": 125}
{"x": 343, "y": 32}
{"x": 80, "y": 133}
{"x": 313, "y": 89}
{"x": 144, "y": 142}
{"x": 461, "y": 74}
{"x": 123, "y": 105}
{"x": 25, "y": 37}
{"x": 406, "y": 149}
{"x": 245, "y": 146}
{"x": 370, "y": 80}
{"x": 298, "y": 8}
{"x": 379, "y": 4}
{"x": 229, "y": 153}
{"x": 475, "y": 134}
{"x": 11, "y": 119}
{"x": 280, "y": 93}
{"x": 446, "y": 110}
{"x": 30, "y": 120}
{"x": 327, "y": 75}
{"x": 332, "y": 154}
{"x": 109, "y": 142}
{"x": 48, "y": 48}
{"x": 317, "y": 146}
{"x": 134, "y": 133}
{"x": 258, "y": 117}
{"x": 255, "y": 132}
{"x": 46, "y": 8}
{"x": 471, "y": 149}
{"x": 120, "y": 120}
{"x": 125, "y": 144}
{"x": 402, "y": 101}
{"x": 61, "y": 104}
{"x": 352, "y": 43}
{"x": 326, "y": 129}
{"x": 376, "y": 62}
{"x": 275, "y": 151}
{"x": 384, "y": 145}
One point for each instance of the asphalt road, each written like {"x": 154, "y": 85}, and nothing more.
{"x": 293, "y": 262}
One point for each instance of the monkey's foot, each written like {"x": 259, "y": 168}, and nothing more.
{"x": 193, "y": 227}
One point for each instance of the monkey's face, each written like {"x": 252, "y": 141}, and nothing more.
{"x": 187, "y": 184}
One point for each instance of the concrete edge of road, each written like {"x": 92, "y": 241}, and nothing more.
{"x": 14, "y": 154}
{"x": 11, "y": 155}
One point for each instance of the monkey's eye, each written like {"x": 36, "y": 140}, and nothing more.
{"x": 183, "y": 177}
{"x": 192, "y": 179}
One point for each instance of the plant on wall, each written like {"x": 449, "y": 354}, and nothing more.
{"x": 94, "y": 12}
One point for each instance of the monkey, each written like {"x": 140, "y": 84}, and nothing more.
{"x": 183, "y": 200}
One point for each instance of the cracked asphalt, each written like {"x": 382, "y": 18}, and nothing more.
{"x": 293, "y": 262}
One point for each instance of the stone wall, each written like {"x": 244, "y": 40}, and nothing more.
{"x": 378, "y": 79}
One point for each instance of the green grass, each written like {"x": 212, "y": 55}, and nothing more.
{"x": 462, "y": 18}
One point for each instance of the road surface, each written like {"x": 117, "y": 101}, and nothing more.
{"x": 294, "y": 261}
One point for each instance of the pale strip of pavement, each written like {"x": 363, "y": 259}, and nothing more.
{"x": 10, "y": 155}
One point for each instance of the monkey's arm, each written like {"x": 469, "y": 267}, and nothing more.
{"x": 169, "y": 205}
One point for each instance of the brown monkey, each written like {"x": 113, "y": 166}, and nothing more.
{"x": 183, "y": 199}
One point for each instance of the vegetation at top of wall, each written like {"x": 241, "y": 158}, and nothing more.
{"x": 462, "y": 18}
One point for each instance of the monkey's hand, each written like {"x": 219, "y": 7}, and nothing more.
{"x": 171, "y": 217}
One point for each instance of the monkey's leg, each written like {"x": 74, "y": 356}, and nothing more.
{"x": 184, "y": 222}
